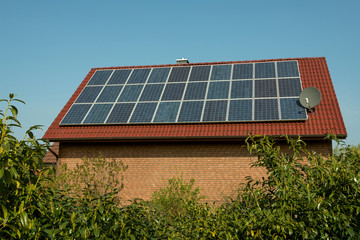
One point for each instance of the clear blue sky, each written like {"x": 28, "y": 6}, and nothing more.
{"x": 48, "y": 47}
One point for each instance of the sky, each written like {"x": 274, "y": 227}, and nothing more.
{"x": 48, "y": 47}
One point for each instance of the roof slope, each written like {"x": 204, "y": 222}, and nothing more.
{"x": 49, "y": 156}
{"x": 314, "y": 73}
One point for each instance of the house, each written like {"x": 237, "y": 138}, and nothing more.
{"x": 193, "y": 118}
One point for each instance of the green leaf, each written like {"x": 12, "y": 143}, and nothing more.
{"x": 30, "y": 134}
{"x": 5, "y": 212}
{"x": 14, "y": 110}
{"x": 18, "y": 100}
{"x": 24, "y": 219}
{"x": 1, "y": 171}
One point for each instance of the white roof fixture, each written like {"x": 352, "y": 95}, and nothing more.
{"x": 309, "y": 98}
{"x": 182, "y": 61}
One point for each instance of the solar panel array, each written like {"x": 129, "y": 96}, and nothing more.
{"x": 265, "y": 91}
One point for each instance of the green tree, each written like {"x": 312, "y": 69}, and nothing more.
{"x": 20, "y": 172}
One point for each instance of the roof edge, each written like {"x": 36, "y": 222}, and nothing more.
{"x": 107, "y": 139}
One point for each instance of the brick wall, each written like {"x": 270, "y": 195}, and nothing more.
{"x": 218, "y": 167}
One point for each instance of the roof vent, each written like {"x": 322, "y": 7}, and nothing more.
{"x": 182, "y": 61}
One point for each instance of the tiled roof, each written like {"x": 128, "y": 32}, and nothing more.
{"x": 314, "y": 73}
{"x": 49, "y": 156}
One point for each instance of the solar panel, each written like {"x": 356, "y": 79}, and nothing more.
{"x": 240, "y": 110}
{"x": 152, "y": 92}
{"x": 139, "y": 75}
{"x": 221, "y": 72}
{"x": 191, "y": 111}
{"x": 266, "y": 109}
{"x": 242, "y": 89}
{"x": 130, "y": 93}
{"x": 218, "y": 90}
{"x": 119, "y": 76}
{"x": 261, "y": 91}
{"x": 88, "y": 95}
{"x": 98, "y": 113}
{"x": 243, "y": 71}
{"x": 291, "y": 109}
{"x": 215, "y": 111}
{"x": 265, "y": 88}
{"x": 76, "y": 114}
{"x": 109, "y": 94}
{"x": 265, "y": 70}
{"x": 143, "y": 113}
{"x": 121, "y": 113}
{"x": 200, "y": 73}
{"x": 195, "y": 91}
{"x": 179, "y": 74}
{"x": 167, "y": 112}
{"x": 288, "y": 69}
{"x": 289, "y": 87}
{"x": 159, "y": 75}
{"x": 173, "y": 91}
{"x": 100, "y": 77}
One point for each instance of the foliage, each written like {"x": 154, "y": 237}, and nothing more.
{"x": 318, "y": 198}
{"x": 315, "y": 199}
{"x": 173, "y": 199}
{"x": 95, "y": 177}
{"x": 341, "y": 148}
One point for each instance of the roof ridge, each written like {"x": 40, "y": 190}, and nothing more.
{"x": 204, "y": 63}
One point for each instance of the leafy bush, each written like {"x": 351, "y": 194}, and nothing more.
{"x": 173, "y": 199}
{"x": 95, "y": 177}
{"x": 314, "y": 199}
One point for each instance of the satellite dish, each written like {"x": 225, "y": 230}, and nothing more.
{"x": 310, "y": 97}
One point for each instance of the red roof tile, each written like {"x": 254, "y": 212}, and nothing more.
{"x": 314, "y": 73}
{"x": 49, "y": 156}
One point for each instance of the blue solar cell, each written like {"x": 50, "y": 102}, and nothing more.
{"x": 215, "y": 111}
{"x": 240, "y": 110}
{"x": 109, "y": 94}
{"x": 289, "y": 87}
{"x": 287, "y": 69}
{"x": 167, "y": 112}
{"x": 130, "y": 93}
{"x": 266, "y": 109}
{"x": 88, "y": 95}
{"x": 218, "y": 90}
{"x": 200, "y": 73}
{"x": 76, "y": 114}
{"x": 119, "y": 76}
{"x": 191, "y": 111}
{"x": 243, "y": 71}
{"x": 173, "y": 91}
{"x": 179, "y": 74}
{"x": 291, "y": 109}
{"x": 242, "y": 89}
{"x": 265, "y": 70}
{"x": 143, "y": 113}
{"x": 100, "y": 77}
{"x": 265, "y": 88}
{"x": 152, "y": 92}
{"x": 98, "y": 113}
{"x": 120, "y": 113}
{"x": 195, "y": 91}
{"x": 159, "y": 75}
{"x": 139, "y": 75}
{"x": 221, "y": 72}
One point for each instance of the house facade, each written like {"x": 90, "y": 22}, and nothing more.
{"x": 192, "y": 119}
